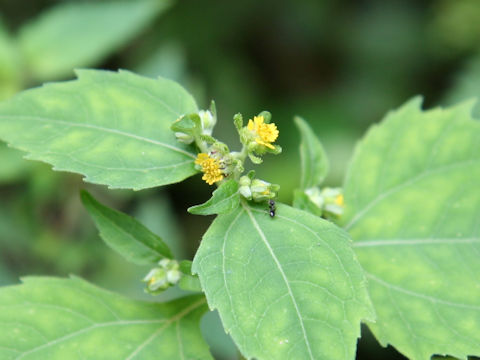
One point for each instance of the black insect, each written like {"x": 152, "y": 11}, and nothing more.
{"x": 271, "y": 206}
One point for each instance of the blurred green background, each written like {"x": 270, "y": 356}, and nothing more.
{"x": 339, "y": 64}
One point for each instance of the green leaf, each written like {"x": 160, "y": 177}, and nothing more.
{"x": 114, "y": 128}
{"x": 126, "y": 235}
{"x": 412, "y": 200}
{"x": 313, "y": 158}
{"x": 224, "y": 199}
{"x": 49, "y": 318}
{"x": 76, "y": 34}
{"x": 287, "y": 287}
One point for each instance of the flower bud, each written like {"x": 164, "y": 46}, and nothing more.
{"x": 329, "y": 200}
{"x": 244, "y": 188}
{"x": 208, "y": 121}
{"x": 184, "y": 138}
{"x": 262, "y": 190}
{"x": 156, "y": 280}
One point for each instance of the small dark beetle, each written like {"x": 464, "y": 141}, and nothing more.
{"x": 271, "y": 205}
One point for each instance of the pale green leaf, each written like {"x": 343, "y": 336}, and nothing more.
{"x": 412, "y": 199}
{"x": 114, "y": 128}
{"x": 49, "y": 318}
{"x": 79, "y": 34}
{"x": 314, "y": 161}
{"x": 126, "y": 235}
{"x": 224, "y": 199}
{"x": 287, "y": 287}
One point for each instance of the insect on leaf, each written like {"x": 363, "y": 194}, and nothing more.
{"x": 285, "y": 287}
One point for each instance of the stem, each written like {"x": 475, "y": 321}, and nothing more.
{"x": 202, "y": 146}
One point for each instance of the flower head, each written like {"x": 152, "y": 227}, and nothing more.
{"x": 210, "y": 168}
{"x": 266, "y": 134}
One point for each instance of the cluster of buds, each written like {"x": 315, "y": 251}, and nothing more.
{"x": 215, "y": 160}
{"x": 256, "y": 189}
{"x": 190, "y": 127}
{"x": 328, "y": 200}
{"x": 162, "y": 277}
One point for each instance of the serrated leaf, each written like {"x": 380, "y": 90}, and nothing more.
{"x": 313, "y": 158}
{"x": 287, "y": 287}
{"x": 114, "y": 128}
{"x": 50, "y": 318}
{"x": 77, "y": 34}
{"x": 126, "y": 235}
{"x": 224, "y": 199}
{"x": 412, "y": 200}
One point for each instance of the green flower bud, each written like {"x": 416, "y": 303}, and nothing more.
{"x": 328, "y": 200}
{"x": 262, "y": 190}
{"x": 245, "y": 181}
{"x": 156, "y": 280}
{"x": 208, "y": 121}
{"x": 244, "y": 188}
{"x": 186, "y": 128}
{"x": 173, "y": 276}
{"x": 184, "y": 138}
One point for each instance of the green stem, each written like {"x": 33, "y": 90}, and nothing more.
{"x": 202, "y": 146}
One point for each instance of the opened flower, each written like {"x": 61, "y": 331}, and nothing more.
{"x": 266, "y": 134}
{"x": 210, "y": 168}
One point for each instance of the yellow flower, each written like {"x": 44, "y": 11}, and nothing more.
{"x": 266, "y": 133}
{"x": 339, "y": 200}
{"x": 210, "y": 168}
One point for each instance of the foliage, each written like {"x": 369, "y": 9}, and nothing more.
{"x": 412, "y": 209}
{"x": 285, "y": 281}
{"x": 64, "y": 318}
{"x": 409, "y": 201}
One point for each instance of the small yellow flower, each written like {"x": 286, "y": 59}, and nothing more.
{"x": 266, "y": 133}
{"x": 339, "y": 200}
{"x": 210, "y": 168}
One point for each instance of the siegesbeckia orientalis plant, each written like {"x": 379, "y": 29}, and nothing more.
{"x": 396, "y": 247}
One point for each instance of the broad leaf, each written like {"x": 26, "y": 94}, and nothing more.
{"x": 412, "y": 199}
{"x": 287, "y": 287}
{"x": 114, "y": 128}
{"x": 48, "y": 318}
{"x": 312, "y": 155}
{"x": 77, "y": 34}
{"x": 126, "y": 235}
{"x": 224, "y": 199}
